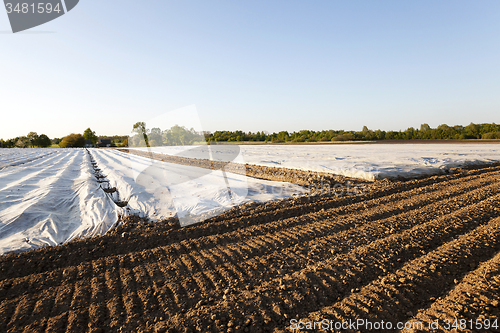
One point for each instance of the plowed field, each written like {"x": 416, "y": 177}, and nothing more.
{"x": 404, "y": 251}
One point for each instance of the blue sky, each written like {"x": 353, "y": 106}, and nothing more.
{"x": 253, "y": 65}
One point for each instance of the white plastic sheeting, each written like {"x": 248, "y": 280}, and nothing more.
{"x": 158, "y": 189}
{"x": 51, "y": 200}
{"x": 365, "y": 161}
{"x": 18, "y": 156}
{"x": 51, "y": 196}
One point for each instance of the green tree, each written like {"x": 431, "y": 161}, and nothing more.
{"x": 22, "y": 142}
{"x": 155, "y": 137}
{"x": 367, "y": 134}
{"x": 88, "y": 134}
{"x": 140, "y": 128}
{"x": 44, "y": 141}
{"x": 391, "y": 135}
{"x": 72, "y": 141}
{"x": 409, "y": 133}
{"x": 491, "y": 135}
{"x": 11, "y": 143}
{"x": 33, "y": 139}
{"x": 472, "y": 131}
{"x": 489, "y": 128}
{"x": 177, "y": 136}
{"x": 424, "y": 127}
{"x": 425, "y": 132}
{"x": 379, "y": 135}
{"x": 283, "y": 136}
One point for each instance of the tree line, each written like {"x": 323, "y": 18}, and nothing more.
{"x": 33, "y": 140}
{"x": 154, "y": 137}
{"x": 179, "y": 135}
{"x": 425, "y": 132}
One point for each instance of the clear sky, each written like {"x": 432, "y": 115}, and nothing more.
{"x": 253, "y": 65}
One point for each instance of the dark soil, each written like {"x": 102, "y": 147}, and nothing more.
{"x": 412, "y": 250}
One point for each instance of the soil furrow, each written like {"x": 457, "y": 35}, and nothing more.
{"x": 395, "y": 297}
{"x": 414, "y": 250}
{"x": 132, "y": 303}
{"x": 98, "y": 311}
{"x": 114, "y": 302}
{"x": 473, "y": 302}
{"x": 78, "y": 315}
{"x": 362, "y": 265}
{"x": 365, "y": 202}
{"x": 339, "y": 241}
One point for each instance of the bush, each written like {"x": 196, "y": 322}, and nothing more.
{"x": 22, "y": 142}
{"x": 344, "y": 137}
{"x": 44, "y": 141}
{"x": 72, "y": 140}
{"x": 491, "y": 135}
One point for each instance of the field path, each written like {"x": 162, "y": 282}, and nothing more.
{"x": 404, "y": 251}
